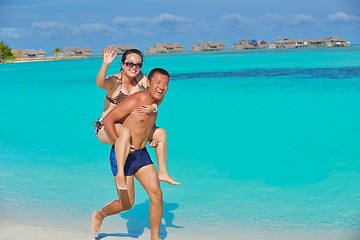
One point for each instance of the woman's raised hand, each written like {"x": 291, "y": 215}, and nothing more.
{"x": 109, "y": 54}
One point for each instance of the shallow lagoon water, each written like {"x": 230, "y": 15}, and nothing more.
{"x": 262, "y": 140}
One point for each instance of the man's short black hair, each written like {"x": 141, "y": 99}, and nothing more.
{"x": 158, "y": 70}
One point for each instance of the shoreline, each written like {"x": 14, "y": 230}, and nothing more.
{"x": 43, "y": 59}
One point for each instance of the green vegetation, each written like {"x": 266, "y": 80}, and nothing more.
{"x": 5, "y": 52}
{"x": 56, "y": 51}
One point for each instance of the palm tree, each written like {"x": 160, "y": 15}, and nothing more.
{"x": 5, "y": 51}
{"x": 56, "y": 51}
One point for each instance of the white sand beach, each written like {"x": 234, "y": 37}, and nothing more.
{"x": 112, "y": 231}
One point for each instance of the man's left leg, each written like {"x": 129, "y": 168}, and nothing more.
{"x": 149, "y": 179}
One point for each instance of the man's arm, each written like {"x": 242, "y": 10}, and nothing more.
{"x": 120, "y": 112}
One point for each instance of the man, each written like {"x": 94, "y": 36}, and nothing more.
{"x": 138, "y": 162}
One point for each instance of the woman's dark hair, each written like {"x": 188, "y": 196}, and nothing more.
{"x": 130, "y": 51}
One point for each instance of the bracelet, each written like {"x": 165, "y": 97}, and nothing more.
{"x": 156, "y": 108}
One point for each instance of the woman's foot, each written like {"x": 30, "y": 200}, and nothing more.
{"x": 120, "y": 182}
{"x": 164, "y": 177}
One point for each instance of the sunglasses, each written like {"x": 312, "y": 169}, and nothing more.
{"x": 131, "y": 65}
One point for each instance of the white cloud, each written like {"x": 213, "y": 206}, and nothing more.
{"x": 55, "y": 29}
{"x": 148, "y": 26}
{"x": 286, "y": 20}
{"x": 95, "y": 28}
{"x": 53, "y": 26}
{"x": 12, "y": 33}
{"x": 272, "y": 19}
{"x": 341, "y": 17}
{"x": 163, "y": 18}
{"x": 234, "y": 20}
{"x": 303, "y": 19}
{"x": 170, "y": 23}
{"x": 166, "y": 18}
{"x": 34, "y": 4}
{"x": 127, "y": 22}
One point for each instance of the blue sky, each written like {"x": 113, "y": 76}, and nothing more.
{"x": 44, "y": 24}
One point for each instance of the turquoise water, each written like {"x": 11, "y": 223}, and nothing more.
{"x": 259, "y": 139}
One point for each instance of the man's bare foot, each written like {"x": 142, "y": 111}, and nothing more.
{"x": 166, "y": 178}
{"x": 95, "y": 224}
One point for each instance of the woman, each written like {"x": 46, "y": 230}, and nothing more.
{"x": 120, "y": 85}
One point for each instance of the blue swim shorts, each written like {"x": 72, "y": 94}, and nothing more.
{"x": 135, "y": 161}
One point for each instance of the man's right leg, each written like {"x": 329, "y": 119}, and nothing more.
{"x": 125, "y": 202}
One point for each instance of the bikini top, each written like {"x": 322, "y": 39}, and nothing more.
{"x": 121, "y": 96}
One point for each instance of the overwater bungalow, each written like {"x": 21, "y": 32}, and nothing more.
{"x": 165, "y": 48}
{"x": 249, "y": 44}
{"x": 29, "y": 53}
{"x": 120, "y": 49}
{"x": 307, "y": 43}
{"x": 75, "y": 52}
{"x": 208, "y": 46}
{"x": 335, "y": 41}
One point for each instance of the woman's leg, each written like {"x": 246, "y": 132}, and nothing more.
{"x": 159, "y": 134}
{"x": 125, "y": 202}
{"x": 104, "y": 138}
{"x": 122, "y": 149}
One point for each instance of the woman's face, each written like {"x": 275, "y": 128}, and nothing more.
{"x": 132, "y": 65}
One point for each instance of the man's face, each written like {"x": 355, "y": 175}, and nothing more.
{"x": 158, "y": 86}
